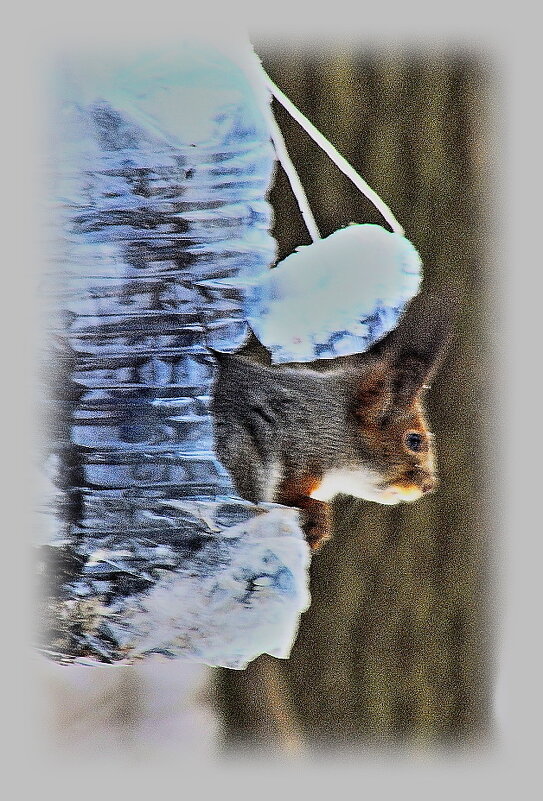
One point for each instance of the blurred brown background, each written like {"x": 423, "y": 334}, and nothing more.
{"x": 397, "y": 644}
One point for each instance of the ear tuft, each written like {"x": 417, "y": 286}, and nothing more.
{"x": 416, "y": 347}
{"x": 373, "y": 395}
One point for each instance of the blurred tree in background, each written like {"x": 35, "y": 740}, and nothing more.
{"x": 397, "y": 644}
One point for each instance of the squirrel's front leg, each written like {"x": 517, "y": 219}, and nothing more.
{"x": 317, "y": 525}
{"x": 317, "y": 516}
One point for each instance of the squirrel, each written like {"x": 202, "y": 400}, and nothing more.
{"x": 299, "y": 436}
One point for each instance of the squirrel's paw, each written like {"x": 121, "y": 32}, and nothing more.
{"x": 317, "y": 523}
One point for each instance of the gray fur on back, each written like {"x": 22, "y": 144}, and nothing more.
{"x": 268, "y": 418}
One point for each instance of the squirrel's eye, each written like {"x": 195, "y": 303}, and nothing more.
{"x": 413, "y": 441}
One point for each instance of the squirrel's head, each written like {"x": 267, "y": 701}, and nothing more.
{"x": 391, "y": 450}
{"x": 395, "y": 442}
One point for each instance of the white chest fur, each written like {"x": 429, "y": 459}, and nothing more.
{"x": 359, "y": 482}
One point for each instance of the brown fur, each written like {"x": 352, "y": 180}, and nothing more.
{"x": 317, "y": 515}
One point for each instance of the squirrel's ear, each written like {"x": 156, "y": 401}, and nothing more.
{"x": 415, "y": 348}
{"x": 373, "y": 396}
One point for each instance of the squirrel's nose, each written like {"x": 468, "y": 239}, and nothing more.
{"x": 423, "y": 479}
